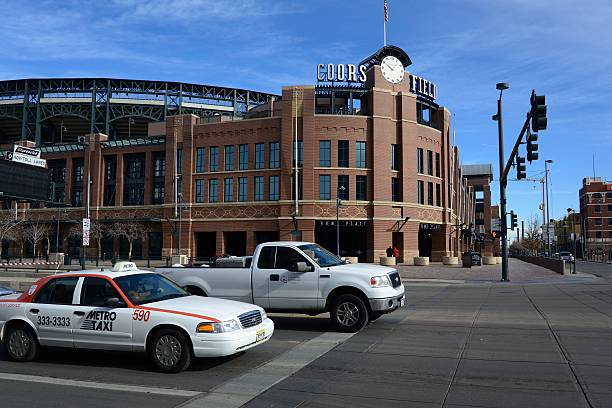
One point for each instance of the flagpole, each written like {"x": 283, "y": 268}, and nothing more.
{"x": 386, "y": 17}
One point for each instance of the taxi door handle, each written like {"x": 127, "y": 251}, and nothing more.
{"x": 34, "y": 311}
{"x": 324, "y": 276}
{"x": 77, "y": 313}
{"x": 275, "y": 277}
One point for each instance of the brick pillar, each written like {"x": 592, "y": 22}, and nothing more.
{"x": 381, "y": 237}
{"x": 440, "y": 246}
{"x": 68, "y": 182}
{"x": 119, "y": 181}
{"x": 411, "y": 241}
{"x": 251, "y": 242}
{"x": 220, "y": 246}
{"x": 148, "y": 178}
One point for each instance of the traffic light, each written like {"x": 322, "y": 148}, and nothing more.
{"x": 538, "y": 112}
{"x": 521, "y": 169}
{"x": 532, "y": 147}
{"x": 513, "y": 220}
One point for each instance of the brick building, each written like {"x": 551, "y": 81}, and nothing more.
{"x": 596, "y": 214}
{"x": 382, "y": 146}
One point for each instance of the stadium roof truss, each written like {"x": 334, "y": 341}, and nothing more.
{"x": 101, "y": 101}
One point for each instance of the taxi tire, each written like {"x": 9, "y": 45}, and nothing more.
{"x": 33, "y": 347}
{"x": 186, "y": 351}
{"x": 344, "y": 303}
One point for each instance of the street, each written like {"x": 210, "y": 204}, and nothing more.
{"x": 603, "y": 270}
{"x": 536, "y": 343}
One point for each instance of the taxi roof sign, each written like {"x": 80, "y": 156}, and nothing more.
{"x": 124, "y": 267}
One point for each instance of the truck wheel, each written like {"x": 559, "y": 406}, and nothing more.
{"x": 194, "y": 290}
{"x": 21, "y": 343}
{"x": 349, "y": 314}
{"x": 170, "y": 351}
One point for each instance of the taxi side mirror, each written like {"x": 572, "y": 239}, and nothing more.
{"x": 114, "y": 302}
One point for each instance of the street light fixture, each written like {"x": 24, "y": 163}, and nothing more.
{"x": 501, "y": 87}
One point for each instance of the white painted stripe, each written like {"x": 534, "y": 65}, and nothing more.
{"x": 99, "y": 385}
{"x": 240, "y": 390}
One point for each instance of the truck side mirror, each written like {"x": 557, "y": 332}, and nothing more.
{"x": 302, "y": 267}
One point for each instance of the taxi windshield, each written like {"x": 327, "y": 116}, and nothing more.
{"x": 320, "y": 255}
{"x": 149, "y": 287}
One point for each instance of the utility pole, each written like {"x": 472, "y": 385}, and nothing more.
{"x": 502, "y": 182}
{"x": 546, "y": 162}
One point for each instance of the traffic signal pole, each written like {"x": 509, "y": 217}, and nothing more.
{"x": 502, "y": 188}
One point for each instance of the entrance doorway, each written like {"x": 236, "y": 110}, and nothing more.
{"x": 206, "y": 244}
{"x": 353, "y": 238}
{"x": 235, "y": 243}
{"x": 425, "y": 243}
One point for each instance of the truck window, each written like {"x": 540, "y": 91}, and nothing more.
{"x": 266, "y": 257}
{"x": 286, "y": 257}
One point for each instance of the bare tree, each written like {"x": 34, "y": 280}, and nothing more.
{"x": 8, "y": 224}
{"x": 97, "y": 232}
{"x": 533, "y": 236}
{"x": 35, "y": 232}
{"x": 131, "y": 231}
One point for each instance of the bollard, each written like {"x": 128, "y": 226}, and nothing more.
{"x": 148, "y": 263}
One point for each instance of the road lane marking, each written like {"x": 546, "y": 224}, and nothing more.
{"x": 99, "y": 385}
{"x": 240, "y": 390}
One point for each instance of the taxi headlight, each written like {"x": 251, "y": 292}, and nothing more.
{"x": 222, "y": 327}
{"x": 380, "y": 281}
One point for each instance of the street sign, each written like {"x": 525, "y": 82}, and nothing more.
{"x": 86, "y": 230}
{"x": 85, "y": 238}
{"x": 26, "y": 155}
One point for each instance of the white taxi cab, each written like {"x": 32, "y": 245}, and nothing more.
{"x": 127, "y": 309}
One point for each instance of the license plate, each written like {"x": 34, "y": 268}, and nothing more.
{"x": 260, "y": 335}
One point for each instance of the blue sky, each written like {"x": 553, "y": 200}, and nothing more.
{"x": 561, "y": 48}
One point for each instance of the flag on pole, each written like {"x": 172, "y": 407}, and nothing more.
{"x": 386, "y": 11}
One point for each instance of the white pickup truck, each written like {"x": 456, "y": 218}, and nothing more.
{"x": 299, "y": 277}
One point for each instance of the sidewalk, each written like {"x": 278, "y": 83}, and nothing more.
{"x": 519, "y": 271}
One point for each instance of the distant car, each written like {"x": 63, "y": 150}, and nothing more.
{"x": 131, "y": 310}
{"x": 566, "y": 256}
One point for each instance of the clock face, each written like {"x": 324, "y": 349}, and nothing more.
{"x": 392, "y": 69}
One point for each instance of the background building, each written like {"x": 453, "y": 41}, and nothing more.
{"x": 221, "y": 177}
{"x": 596, "y": 214}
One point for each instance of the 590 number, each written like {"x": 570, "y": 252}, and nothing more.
{"x": 141, "y": 315}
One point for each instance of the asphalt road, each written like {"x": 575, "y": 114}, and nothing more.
{"x": 475, "y": 344}
{"x": 596, "y": 268}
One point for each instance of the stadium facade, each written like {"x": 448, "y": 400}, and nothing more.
{"x": 215, "y": 170}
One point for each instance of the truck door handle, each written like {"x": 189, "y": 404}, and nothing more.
{"x": 78, "y": 313}
{"x": 324, "y": 276}
{"x": 34, "y": 311}
{"x": 275, "y": 277}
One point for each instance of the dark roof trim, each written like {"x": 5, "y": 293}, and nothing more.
{"x": 392, "y": 50}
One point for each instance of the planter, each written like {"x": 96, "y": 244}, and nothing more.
{"x": 351, "y": 259}
{"x": 387, "y": 261}
{"x": 421, "y": 260}
{"x": 499, "y": 259}
{"x": 489, "y": 260}
{"x": 450, "y": 260}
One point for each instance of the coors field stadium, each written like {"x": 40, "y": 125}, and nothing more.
{"x": 59, "y": 110}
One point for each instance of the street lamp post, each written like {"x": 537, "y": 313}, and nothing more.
{"x": 180, "y": 226}
{"x": 338, "y": 204}
{"x": 502, "y": 183}
{"x": 573, "y": 221}
{"x": 546, "y": 162}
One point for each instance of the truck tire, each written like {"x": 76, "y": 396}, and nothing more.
{"x": 170, "y": 351}
{"x": 348, "y": 313}
{"x": 194, "y": 290}
{"x": 21, "y": 343}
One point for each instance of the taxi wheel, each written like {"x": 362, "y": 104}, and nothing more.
{"x": 170, "y": 351}
{"x": 21, "y": 343}
{"x": 349, "y": 314}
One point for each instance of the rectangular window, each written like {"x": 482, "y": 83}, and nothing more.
{"x": 300, "y": 153}
{"x": 430, "y": 162}
{"x": 343, "y": 153}
{"x": 343, "y": 187}
{"x": 259, "y": 188}
{"x": 274, "y": 155}
{"x": 179, "y": 161}
{"x": 228, "y": 190}
{"x": 159, "y": 191}
{"x": 437, "y": 164}
{"x": 325, "y": 153}
{"x": 199, "y": 197}
{"x": 395, "y": 189}
{"x": 598, "y": 234}
{"x": 244, "y": 156}
{"x": 420, "y": 160}
{"x": 243, "y": 189}
{"x": 360, "y": 158}
{"x": 438, "y": 196}
{"x": 598, "y": 221}
{"x": 229, "y": 158}
{"x": 214, "y": 158}
{"x": 78, "y": 171}
{"x": 421, "y": 192}
{"x": 260, "y": 155}
{"x": 212, "y": 190}
{"x": 430, "y": 194}
{"x": 609, "y": 222}
{"x": 609, "y": 207}
{"x": 325, "y": 187}
{"x": 159, "y": 165}
{"x": 200, "y": 160}
{"x": 361, "y": 192}
{"x": 274, "y": 190}
{"x": 394, "y": 157}
{"x": 78, "y": 198}
{"x": 598, "y": 208}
